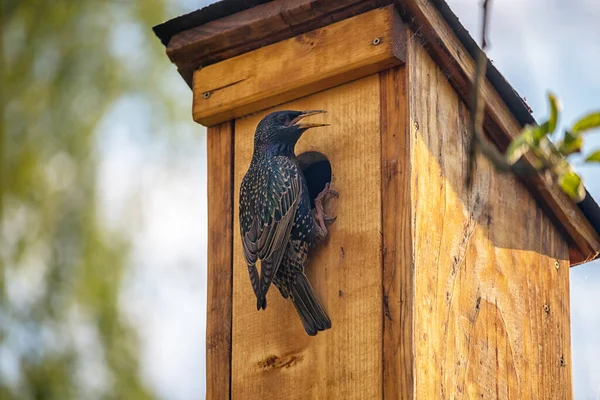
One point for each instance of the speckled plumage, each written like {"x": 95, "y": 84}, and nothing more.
{"x": 276, "y": 222}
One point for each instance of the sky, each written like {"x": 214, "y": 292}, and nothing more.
{"x": 538, "y": 45}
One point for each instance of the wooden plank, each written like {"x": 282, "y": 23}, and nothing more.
{"x": 272, "y": 355}
{"x": 220, "y": 260}
{"x": 299, "y": 66}
{"x": 499, "y": 123}
{"x": 257, "y": 27}
{"x": 398, "y": 283}
{"x": 491, "y": 310}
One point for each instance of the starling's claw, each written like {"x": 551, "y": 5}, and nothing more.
{"x": 331, "y": 193}
{"x": 329, "y": 220}
{"x": 327, "y": 192}
{"x": 323, "y": 219}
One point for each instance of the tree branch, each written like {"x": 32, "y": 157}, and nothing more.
{"x": 477, "y": 104}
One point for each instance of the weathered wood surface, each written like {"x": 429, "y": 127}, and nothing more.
{"x": 257, "y": 27}
{"x": 398, "y": 357}
{"x": 491, "y": 310}
{"x": 272, "y": 355}
{"x": 300, "y": 66}
{"x": 501, "y": 126}
{"x": 220, "y": 260}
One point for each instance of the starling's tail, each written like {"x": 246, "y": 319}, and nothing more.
{"x": 261, "y": 302}
{"x": 311, "y": 311}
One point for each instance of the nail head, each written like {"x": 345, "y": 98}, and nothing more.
{"x": 562, "y": 361}
{"x": 546, "y": 308}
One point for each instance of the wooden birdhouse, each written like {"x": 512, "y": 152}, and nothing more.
{"x": 435, "y": 291}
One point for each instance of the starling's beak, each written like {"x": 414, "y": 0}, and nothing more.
{"x": 306, "y": 125}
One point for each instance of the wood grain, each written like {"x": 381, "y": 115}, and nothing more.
{"x": 491, "y": 311}
{"x": 398, "y": 284}
{"x": 501, "y": 126}
{"x": 257, "y": 27}
{"x": 272, "y": 355}
{"x": 299, "y": 66}
{"x": 220, "y": 260}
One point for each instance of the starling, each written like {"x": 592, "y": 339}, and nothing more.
{"x": 277, "y": 224}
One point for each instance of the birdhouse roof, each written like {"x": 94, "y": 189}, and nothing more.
{"x": 228, "y": 28}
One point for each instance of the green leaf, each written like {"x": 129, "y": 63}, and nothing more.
{"x": 594, "y": 157}
{"x": 540, "y": 131}
{"x": 571, "y": 184}
{"x": 554, "y": 109}
{"x": 570, "y": 144}
{"x": 588, "y": 122}
{"x": 520, "y": 145}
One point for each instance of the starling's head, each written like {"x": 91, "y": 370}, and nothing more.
{"x": 283, "y": 128}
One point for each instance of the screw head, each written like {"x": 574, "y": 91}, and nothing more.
{"x": 206, "y": 95}
{"x": 556, "y": 264}
{"x": 546, "y": 308}
{"x": 376, "y": 41}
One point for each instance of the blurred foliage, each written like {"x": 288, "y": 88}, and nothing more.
{"x": 64, "y": 64}
{"x": 552, "y": 159}
{"x": 535, "y": 140}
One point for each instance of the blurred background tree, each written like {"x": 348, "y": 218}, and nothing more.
{"x": 64, "y": 65}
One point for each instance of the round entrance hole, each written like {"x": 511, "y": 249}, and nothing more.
{"x": 317, "y": 171}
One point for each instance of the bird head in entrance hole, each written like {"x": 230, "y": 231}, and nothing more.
{"x": 283, "y": 128}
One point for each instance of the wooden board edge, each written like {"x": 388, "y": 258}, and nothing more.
{"x": 220, "y": 260}
{"x": 577, "y": 257}
{"x": 306, "y": 90}
{"x": 499, "y": 123}
{"x": 256, "y": 27}
{"x": 397, "y": 263}
{"x": 207, "y": 111}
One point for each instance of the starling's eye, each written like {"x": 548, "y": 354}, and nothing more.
{"x": 282, "y": 119}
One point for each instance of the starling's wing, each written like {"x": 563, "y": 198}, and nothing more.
{"x": 249, "y": 223}
{"x": 266, "y": 229}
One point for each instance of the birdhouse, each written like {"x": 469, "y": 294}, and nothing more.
{"x": 434, "y": 290}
